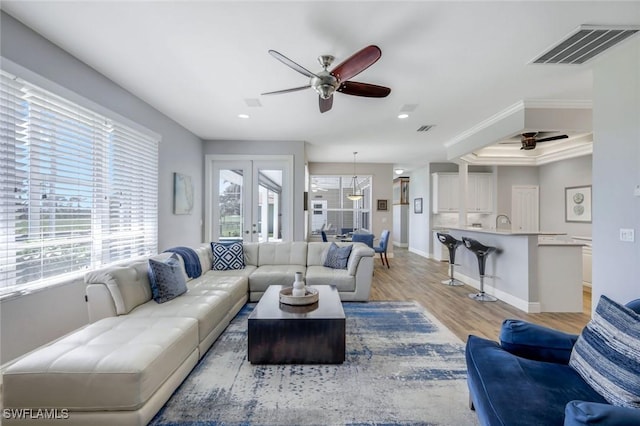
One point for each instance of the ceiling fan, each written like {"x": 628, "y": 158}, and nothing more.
{"x": 325, "y": 82}
{"x": 530, "y": 139}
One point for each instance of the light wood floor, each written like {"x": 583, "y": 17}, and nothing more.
{"x": 415, "y": 278}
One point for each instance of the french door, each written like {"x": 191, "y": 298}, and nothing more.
{"x": 250, "y": 199}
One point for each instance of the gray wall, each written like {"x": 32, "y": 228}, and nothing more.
{"x": 420, "y": 224}
{"x": 616, "y": 173}
{"x": 509, "y": 176}
{"x": 554, "y": 178}
{"x": 31, "y": 320}
{"x": 294, "y": 148}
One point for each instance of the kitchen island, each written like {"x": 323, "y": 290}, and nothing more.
{"x": 533, "y": 271}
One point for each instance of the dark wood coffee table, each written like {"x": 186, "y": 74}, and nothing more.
{"x": 285, "y": 334}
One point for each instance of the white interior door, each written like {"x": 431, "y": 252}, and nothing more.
{"x": 525, "y": 208}
{"x": 249, "y": 200}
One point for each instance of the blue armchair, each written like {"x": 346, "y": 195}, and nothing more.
{"x": 526, "y": 379}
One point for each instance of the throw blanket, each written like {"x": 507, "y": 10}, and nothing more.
{"x": 191, "y": 260}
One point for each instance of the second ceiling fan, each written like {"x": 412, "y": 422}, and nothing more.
{"x": 326, "y": 83}
{"x": 528, "y": 140}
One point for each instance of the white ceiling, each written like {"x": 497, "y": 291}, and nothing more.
{"x": 460, "y": 62}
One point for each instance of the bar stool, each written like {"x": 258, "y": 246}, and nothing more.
{"x": 452, "y": 244}
{"x": 481, "y": 251}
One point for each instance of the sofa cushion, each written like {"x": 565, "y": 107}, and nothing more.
{"x": 337, "y": 257}
{"x": 502, "y": 383}
{"x": 227, "y": 256}
{"x": 292, "y": 253}
{"x": 534, "y": 341}
{"x": 166, "y": 279}
{"x": 129, "y": 285}
{"x": 321, "y": 275}
{"x": 116, "y": 363}
{"x": 607, "y": 353}
{"x": 236, "y": 287}
{"x": 267, "y": 275}
{"x": 209, "y": 310}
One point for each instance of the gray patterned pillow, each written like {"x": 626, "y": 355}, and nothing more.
{"x": 337, "y": 257}
{"x": 607, "y": 353}
{"x": 166, "y": 279}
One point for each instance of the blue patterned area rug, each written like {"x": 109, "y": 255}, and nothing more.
{"x": 403, "y": 367}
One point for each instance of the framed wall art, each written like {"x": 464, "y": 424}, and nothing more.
{"x": 577, "y": 204}
{"x": 417, "y": 205}
{"x": 382, "y": 205}
{"x": 182, "y": 194}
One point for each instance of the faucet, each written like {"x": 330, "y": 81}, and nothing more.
{"x": 502, "y": 215}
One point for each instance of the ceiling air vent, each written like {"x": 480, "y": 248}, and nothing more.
{"x": 425, "y": 128}
{"x": 584, "y": 43}
{"x": 252, "y": 102}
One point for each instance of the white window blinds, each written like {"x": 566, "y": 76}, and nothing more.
{"x": 78, "y": 190}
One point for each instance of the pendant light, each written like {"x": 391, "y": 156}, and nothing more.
{"x": 355, "y": 194}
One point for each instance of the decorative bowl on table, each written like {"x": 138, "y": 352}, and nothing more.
{"x": 310, "y": 296}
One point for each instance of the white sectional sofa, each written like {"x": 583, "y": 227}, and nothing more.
{"x": 122, "y": 367}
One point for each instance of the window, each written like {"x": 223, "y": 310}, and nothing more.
{"x": 332, "y": 211}
{"x": 77, "y": 190}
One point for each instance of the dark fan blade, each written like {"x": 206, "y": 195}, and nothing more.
{"x": 357, "y": 63}
{"x": 325, "y": 104}
{"x": 295, "y": 89}
{"x": 552, "y": 138}
{"x": 288, "y": 62}
{"x": 363, "y": 89}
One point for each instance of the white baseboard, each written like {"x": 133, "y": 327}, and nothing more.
{"x": 523, "y": 305}
{"x": 419, "y": 252}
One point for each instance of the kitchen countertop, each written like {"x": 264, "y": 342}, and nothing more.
{"x": 501, "y": 231}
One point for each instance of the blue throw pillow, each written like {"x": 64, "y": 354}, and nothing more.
{"x": 337, "y": 257}
{"x": 227, "y": 256}
{"x": 607, "y": 353}
{"x": 166, "y": 279}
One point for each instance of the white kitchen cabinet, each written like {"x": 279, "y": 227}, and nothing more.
{"x": 480, "y": 193}
{"x": 446, "y": 190}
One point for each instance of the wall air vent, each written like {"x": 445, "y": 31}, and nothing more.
{"x": 425, "y": 128}
{"x": 584, "y": 43}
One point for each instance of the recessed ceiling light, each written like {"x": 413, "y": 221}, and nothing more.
{"x": 403, "y": 115}
{"x": 243, "y": 116}
{"x": 399, "y": 171}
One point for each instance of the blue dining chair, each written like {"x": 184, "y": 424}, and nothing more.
{"x": 363, "y": 238}
{"x": 324, "y": 236}
{"x": 382, "y": 248}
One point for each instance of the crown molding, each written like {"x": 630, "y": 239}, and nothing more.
{"x": 539, "y": 160}
{"x": 517, "y": 107}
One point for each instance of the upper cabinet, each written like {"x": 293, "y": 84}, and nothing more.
{"x": 446, "y": 190}
{"x": 480, "y": 193}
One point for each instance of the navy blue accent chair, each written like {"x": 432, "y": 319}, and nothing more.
{"x": 324, "y": 236}
{"x": 526, "y": 380}
{"x": 382, "y": 248}
{"x": 363, "y": 238}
